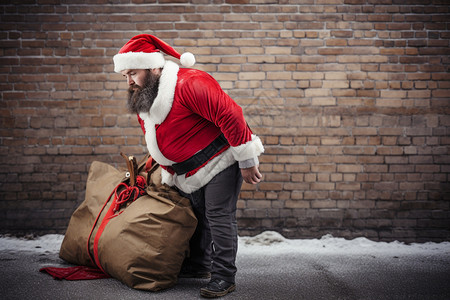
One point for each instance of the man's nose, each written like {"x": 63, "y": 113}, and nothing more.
{"x": 130, "y": 81}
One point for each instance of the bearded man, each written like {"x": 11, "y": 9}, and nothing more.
{"x": 199, "y": 136}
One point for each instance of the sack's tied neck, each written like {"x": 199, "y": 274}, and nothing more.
{"x": 129, "y": 193}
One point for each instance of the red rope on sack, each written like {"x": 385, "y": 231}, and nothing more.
{"x": 141, "y": 183}
{"x": 128, "y": 193}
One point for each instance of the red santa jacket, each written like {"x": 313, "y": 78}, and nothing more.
{"x": 190, "y": 111}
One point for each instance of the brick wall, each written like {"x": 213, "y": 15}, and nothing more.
{"x": 351, "y": 99}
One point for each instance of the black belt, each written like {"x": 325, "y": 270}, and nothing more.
{"x": 200, "y": 157}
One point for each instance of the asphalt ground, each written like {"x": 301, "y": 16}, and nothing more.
{"x": 292, "y": 275}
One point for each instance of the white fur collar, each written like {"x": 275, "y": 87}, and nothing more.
{"x": 152, "y": 143}
{"x": 160, "y": 109}
{"x": 166, "y": 90}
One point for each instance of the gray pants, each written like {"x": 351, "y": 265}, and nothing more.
{"x": 214, "y": 243}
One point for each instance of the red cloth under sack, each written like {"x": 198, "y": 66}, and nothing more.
{"x": 75, "y": 273}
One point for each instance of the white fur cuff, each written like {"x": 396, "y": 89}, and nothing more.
{"x": 248, "y": 150}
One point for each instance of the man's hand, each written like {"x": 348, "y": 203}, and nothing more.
{"x": 251, "y": 175}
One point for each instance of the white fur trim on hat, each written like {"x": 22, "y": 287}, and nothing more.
{"x": 138, "y": 60}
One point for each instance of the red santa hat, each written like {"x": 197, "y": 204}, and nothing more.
{"x": 144, "y": 52}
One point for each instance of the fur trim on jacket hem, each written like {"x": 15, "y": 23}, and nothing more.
{"x": 203, "y": 176}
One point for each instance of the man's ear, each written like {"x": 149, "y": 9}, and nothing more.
{"x": 156, "y": 71}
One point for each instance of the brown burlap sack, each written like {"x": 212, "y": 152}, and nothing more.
{"x": 101, "y": 181}
{"x": 144, "y": 244}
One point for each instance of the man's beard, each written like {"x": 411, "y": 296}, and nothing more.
{"x": 140, "y": 99}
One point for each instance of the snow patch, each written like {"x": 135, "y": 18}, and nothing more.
{"x": 272, "y": 243}
{"x": 49, "y": 243}
{"x": 267, "y": 243}
{"x": 266, "y": 238}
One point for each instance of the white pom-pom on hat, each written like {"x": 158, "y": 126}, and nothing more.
{"x": 187, "y": 59}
